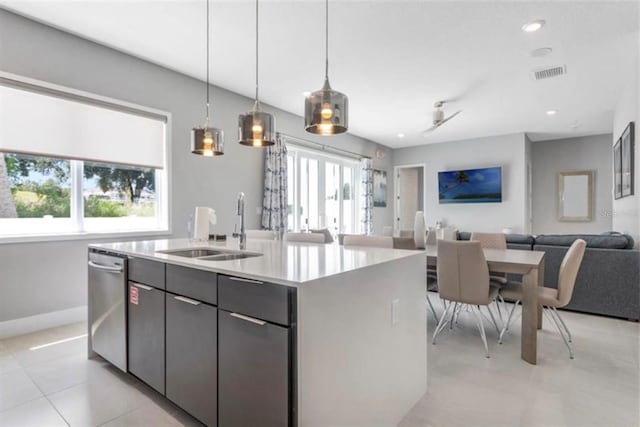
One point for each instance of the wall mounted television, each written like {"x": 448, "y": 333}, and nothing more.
{"x": 470, "y": 186}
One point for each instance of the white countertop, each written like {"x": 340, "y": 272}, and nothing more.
{"x": 286, "y": 263}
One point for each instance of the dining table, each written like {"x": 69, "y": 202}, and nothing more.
{"x": 528, "y": 264}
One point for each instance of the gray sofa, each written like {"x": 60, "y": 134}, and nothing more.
{"x": 608, "y": 282}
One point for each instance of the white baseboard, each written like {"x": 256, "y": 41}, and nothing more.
{"x": 25, "y": 325}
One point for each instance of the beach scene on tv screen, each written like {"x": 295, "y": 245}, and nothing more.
{"x": 470, "y": 186}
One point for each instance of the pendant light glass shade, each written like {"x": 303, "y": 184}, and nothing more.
{"x": 326, "y": 111}
{"x": 256, "y": 128}
{"x": 207, "y": 141}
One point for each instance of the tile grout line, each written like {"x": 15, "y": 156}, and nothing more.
{"x": 55, "y": 408}
{"x": 20, "y": 404}
{"x": 119, "y": 416}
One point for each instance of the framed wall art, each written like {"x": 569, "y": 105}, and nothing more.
{"x": 617, "y": 169}
{"x": 627, "y": 151}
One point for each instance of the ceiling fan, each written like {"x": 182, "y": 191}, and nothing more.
{"x": 439, "y": 118}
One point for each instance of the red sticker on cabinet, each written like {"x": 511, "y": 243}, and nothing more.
{"x": 133, "y": 295}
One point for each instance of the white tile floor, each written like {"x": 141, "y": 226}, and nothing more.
{"x": 600, "y": 387}
{"x": 58, "y": 386}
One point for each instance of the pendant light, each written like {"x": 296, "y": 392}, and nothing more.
{"x": 207, "y": 141}
{"x": 326, "y": 111}
{"x": 257, "y": 128}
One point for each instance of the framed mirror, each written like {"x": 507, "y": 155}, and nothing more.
{"x": 575, "y": 196}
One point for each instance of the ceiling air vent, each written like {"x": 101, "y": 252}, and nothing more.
{"x": 547, "y": 73}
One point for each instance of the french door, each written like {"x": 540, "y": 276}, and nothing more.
{"x": 323, "y": 191}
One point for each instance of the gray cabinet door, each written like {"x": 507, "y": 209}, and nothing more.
{"x": 192, "y": 363}
{"x": 253, "y": 372}
{"x": 146, "y": 334}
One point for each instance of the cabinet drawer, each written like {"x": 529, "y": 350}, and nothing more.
{"x": 147, "y": 272}
{"x": 146, "y": 332}
{"x": 254, "y": 376}
{"x": 254, "y": 298}
{"x": 192, "y": 363}
{"x": 192, "y": 283}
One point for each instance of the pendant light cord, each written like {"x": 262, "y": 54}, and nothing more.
{"x": 326, "y": 39}
{"x": 257, "y": 37}
{"x": 207, "y": 55}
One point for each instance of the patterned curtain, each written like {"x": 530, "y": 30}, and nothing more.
{"x": 274, "y": 204}
{"x": 366, "y": 196}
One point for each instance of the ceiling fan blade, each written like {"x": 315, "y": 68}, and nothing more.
{"x": 431, "y": 129}
{"x": 450, "y": 117}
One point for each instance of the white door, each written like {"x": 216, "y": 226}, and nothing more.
{"x": 409, "y": 196}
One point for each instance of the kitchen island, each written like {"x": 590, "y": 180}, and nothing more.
{"x": 294, "y": 334}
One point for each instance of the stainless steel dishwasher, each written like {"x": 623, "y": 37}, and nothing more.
{"x": 107, "y": 307}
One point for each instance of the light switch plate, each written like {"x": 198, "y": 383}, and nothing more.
{"x": 395, "y": 314}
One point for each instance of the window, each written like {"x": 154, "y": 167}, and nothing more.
{"x": 322, "y": 193}
{"x": 94, "y": 167}
{"x": 50, "y": 196}
{"x": 113, "y": 194}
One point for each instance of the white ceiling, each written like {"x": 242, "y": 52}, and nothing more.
{"x": 393, "y": 59}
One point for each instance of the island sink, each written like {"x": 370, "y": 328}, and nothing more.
{"x": 228, "y": 256}
{"x": 192, "y": 253}
{"x": 210, "y": 254}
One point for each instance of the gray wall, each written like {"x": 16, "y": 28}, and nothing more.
{"x": 572, "y": 154}
{"x": 508, "y": 151}
{"x": 626, "y": 211}
{"x": 45, "y": 277}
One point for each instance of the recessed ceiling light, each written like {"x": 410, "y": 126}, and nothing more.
{"x": 533, "y": 26}
{"x": 552, "y": 112}
{"x": 540, "y": 52}
{"x": 401, "y": 135}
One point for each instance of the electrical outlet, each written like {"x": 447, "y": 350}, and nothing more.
{"x": 395, "y": 312}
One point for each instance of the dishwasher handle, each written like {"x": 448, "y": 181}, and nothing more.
{"x": 105, "y": 267}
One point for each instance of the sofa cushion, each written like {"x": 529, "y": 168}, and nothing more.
{"x": 630, "y": 242}
{"x": 610, "y": 241}
{"x": 464, "y": 235}
{"x": 520, "y": 239}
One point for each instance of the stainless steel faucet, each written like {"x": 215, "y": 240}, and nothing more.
{"x": 242, "y": 235}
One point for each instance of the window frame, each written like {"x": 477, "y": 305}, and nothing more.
{"x": 323, "y": 158}
{"x": 163, "y": 194}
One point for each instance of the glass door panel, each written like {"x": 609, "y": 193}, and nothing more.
{"x": 348, "y": 200}
{"x": 332, "y": 197}
{"x": 309, "y": 213}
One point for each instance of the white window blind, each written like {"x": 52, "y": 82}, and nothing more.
{"x": 37, "y": 123}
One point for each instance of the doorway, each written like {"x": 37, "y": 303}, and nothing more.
{"x": 409, "y": 196}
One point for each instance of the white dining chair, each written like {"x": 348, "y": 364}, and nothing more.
{"x": 304, "y": 237}
{"x": 448, "y": 233}
{"x": 551, "y": 299}
{"x": 370, "y": 241}
{"x": 492, "y": 241}
{"x": 463, "y": 280}
{"x": 432, "y": 237}
{"x": 261, "y": 234}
